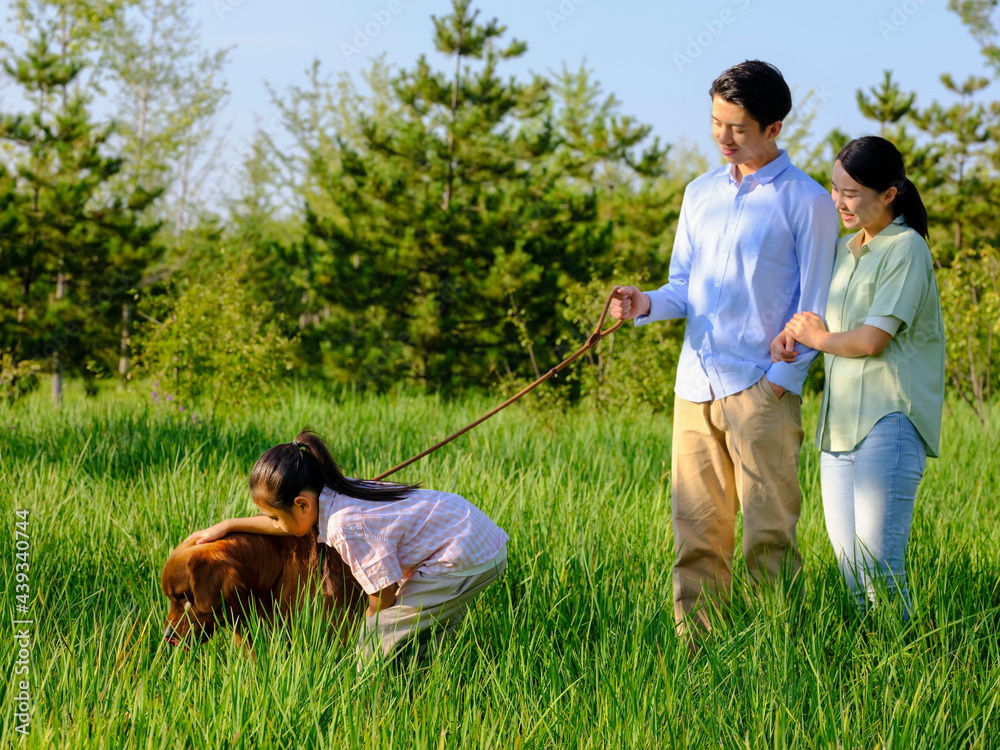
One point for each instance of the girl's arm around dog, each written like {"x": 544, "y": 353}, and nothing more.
{"x": 259, "y": 524}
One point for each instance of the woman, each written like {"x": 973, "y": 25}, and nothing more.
{"x": 884, "y": 358}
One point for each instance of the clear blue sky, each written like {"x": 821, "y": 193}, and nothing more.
{"x": 632, "y": 47}
{"x": 659, "y": 58}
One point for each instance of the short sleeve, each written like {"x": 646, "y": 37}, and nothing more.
{"x": 372, "y": 560}
{"x": 904, "y": 280}
{"x": 886, "y": 323}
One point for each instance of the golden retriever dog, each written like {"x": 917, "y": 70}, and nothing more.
{"x": 217, "y": 584}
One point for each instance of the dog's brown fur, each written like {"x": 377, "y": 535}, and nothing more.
{"x": 217, "y": 585}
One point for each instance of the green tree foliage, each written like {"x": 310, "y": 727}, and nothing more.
{"x": 452, "y": 219}
{"x": 219, "y": 346}
{"x": 961, "y": 164}
{"x": 17, "y": 375}
{"x": 66, "y": 258}
{"x": 453, "y": 227}
{"x": 166, "y": 91}
{"x": 970, "y": 298}
{"x": 952, "y": 156}
{"x": 958, "y": 164}
{"x": 887, "y": 104}
{"x": 978, "y": 16}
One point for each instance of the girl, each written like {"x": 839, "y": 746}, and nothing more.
{"x": 884, "y": 359}
{"x": 421, "y": 556}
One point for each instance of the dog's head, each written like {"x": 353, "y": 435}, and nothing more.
{"x": 204, "y": 583}
{"x": 211, "y": 585}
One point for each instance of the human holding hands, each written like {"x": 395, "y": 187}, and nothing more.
{"x": 883, "y": 340}
{"x": 734, "y": 279}
{"x": 807, "y": 328}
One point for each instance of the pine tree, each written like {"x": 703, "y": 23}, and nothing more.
{"x": 68, "y": 228}
{"x": 166, "y": 91}
{"x": 963, "y": 153}
{"x": 888, "y": 104}
{"x": 421, "y": 205}
{"x": 452, "y": 219}
{"x": 978, "y": 15}
{"x": 962, "y": 135}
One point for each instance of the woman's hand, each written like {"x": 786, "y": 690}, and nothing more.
{"x": 783, "y": 348}
{"x": 210, "y": 534}
{"x": 808, "y": 328}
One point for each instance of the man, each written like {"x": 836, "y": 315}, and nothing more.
{"x": 755, "y": 244}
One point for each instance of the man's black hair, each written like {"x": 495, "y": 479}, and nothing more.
{"x": 758, "y": 87}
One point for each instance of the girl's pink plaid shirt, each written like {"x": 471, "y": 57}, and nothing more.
{"x": 385, "y": 543}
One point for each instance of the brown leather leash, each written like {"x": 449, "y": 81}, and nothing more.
{"x": 594, "y": 340}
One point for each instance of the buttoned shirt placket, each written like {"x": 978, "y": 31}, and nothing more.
{"x": 855, "y": 262}
{"x": 722, "y": 263}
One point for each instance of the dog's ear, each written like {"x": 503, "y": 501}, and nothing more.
{"x": 213, "y": 578}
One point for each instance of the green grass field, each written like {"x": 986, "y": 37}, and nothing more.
{"x": 573, "y": 648}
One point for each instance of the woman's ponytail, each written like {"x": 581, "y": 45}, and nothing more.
{"x": 909, "y": 205}
{"x": 285, "y": 470}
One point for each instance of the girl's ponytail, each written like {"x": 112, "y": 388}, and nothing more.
{"x": 285, "y": 470}
{"x": 909, "y": 205}
{"x": 361, "y": 489}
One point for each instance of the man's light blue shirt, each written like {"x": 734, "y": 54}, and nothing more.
{"x": 746, "y": 258}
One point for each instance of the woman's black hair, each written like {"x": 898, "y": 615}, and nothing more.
{"x": 285, "y": 470}
{"x": 758, "y": 87}
{"x": 876, "y": 163}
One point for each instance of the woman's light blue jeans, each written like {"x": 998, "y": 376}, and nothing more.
{"x": 868, "y": 496}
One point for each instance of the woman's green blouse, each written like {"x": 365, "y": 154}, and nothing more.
{"x": 892, "y": 276}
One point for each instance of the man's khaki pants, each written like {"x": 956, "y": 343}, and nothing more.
{"x": 733, "y": 453}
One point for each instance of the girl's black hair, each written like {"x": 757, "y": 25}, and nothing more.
{"x": 876, "y": 163}
{"x": 306, "y": 464}
{"x": 757, "y": 87}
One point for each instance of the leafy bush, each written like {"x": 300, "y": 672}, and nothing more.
{"x": 17, "y": 376}
{"x": 970, "y": 302}
{"x": 219, "y": 347}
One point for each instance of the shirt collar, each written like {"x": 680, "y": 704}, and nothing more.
{"x": 768, "y": 172}
{"x": 326, "y": 499}
{"x": 896, "y": 226}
